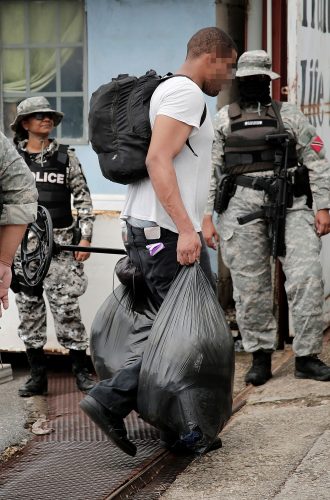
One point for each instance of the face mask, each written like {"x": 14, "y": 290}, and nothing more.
{"x": 254, "y": 90}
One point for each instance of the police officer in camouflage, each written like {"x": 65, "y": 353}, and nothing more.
{"x": 18, "y": 207}
{"x": 59, "y": 176}
{"x": 241, "y": 150}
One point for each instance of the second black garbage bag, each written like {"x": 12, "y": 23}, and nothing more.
{"x": 186, "y": 379}
{"x": 120, "y": 329}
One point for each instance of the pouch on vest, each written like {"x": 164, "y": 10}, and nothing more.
{"x": 119, "y": 125}
{"x": 226, "y": 190}
{"x": 301, "y": 185}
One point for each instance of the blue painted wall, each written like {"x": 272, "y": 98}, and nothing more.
{"x": 132, "y": 36}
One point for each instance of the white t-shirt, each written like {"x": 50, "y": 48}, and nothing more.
{"x": 182, "y": 99}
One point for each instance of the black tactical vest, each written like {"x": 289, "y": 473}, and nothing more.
{"x": 246, "y": 149}
{"x": 51, "y": 182}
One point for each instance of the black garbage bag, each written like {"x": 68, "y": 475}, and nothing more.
{"x": 186, "y": 379}
{"x": 127, "y": 273}
{"x": 120, "y": 329}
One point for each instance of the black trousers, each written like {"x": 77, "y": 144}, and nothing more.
{"x": 119, "y": 394}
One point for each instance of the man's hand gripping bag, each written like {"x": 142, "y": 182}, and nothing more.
{"x": 186, "y": 379}
{"x": 120, "y": 329}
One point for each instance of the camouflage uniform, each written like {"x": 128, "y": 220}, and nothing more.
{"x": 65, "y": 280}
{"x": 18, "y": 187}
{"x": 246, "y": 248}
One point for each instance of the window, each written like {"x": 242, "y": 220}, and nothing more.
{"x": 42, "y": 44}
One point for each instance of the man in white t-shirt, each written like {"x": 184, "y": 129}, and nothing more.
{"x": 167, "y": 207}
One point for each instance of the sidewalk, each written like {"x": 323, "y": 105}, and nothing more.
{"x": 276, "y": 447}
{"x": 13, "y": 416}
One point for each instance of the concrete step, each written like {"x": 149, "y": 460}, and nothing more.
{"x": 6, "y": 373}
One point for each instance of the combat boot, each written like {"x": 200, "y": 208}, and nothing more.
{"x": 312, "y": 367}
{"x": 80, "y": 370}
{"x": 261, "y": 369}
{"x": 37, "y": 384}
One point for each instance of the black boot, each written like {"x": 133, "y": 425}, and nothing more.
{"x": 112, "y": 425}
{"x": 37, "y": 384}
{"x": 312, "y": 367}
{"x": 80, "y": 370}
{"x": 261, "y": 369}
{"x": 171, "y": 442}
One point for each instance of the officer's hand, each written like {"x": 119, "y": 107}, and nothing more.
{"x": 210, "y": 234}
{"x": 188, "y": 248}
{"x": 322, "y": 222}
{"x": 81, "y": 256}
{"x": 5, "y": 280}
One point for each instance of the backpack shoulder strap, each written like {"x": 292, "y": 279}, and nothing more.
{"x": 170, "y": 75}
{"x": 202, "y": 120}
{"x": 203, "y": 115}
{"x": 62, "y": 153}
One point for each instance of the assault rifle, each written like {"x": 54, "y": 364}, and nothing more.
{"x": 279, "y": 191}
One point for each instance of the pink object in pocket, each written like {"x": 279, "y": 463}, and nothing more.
{"x": 154, "y": 248}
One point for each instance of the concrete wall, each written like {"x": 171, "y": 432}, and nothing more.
{"x": 309, "y": 84}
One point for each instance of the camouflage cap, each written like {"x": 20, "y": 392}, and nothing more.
{"x": 35, "y": 105}
{"x": 255, "y": 62}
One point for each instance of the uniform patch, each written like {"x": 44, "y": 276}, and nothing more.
{"x": 317, "y": 144}
{"x": 251, "y": 123}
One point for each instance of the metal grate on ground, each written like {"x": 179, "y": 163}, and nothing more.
{"x": 72, "y": 470}
{"x": 75, "y": 461}
{"x": 71, "y": 424}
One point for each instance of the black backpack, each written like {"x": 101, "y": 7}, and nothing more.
{"x": 119, "y": 125}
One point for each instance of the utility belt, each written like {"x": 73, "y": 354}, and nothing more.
{"x": 298, "y": 183}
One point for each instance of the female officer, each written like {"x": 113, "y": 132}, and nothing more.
{"x": 58, "y": 175}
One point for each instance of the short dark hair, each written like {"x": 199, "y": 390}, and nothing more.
{"x": 20, "y": 134}
{"x": 208, "y": 39}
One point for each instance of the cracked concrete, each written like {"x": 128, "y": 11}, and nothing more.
{"x": 13, "y": 414}
{"x": 17, "y": 415}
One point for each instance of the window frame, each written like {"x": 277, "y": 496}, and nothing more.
{"x": 58, "y": 94}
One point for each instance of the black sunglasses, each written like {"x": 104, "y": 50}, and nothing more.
{"x": 42, "y": 116}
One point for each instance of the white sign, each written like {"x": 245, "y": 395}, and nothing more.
{"x": 309, "y": 83}
{"x": 309, "y": 61}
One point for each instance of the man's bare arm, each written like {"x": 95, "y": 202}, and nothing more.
{"x": 168, "y": 138}
{"x": 210, "y": 233}
{"x": 10, "y": 238}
